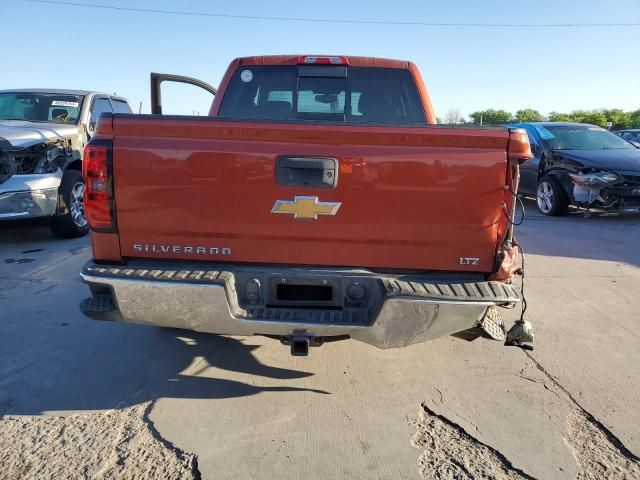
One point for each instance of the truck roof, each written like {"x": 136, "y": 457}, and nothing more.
{"x": 354, "y": 61}
{"x": 61, "y": 91}
{"x": 551, "y": 124}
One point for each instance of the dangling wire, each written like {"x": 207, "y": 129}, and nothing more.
{"x": 518, "y": 199}
{"x": 524, "y": 299}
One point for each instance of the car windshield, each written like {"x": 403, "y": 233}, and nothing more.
{"x": 581, "y": 137}
{"x": 40, "y": 107}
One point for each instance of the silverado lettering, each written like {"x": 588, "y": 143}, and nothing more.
{"x": 374, "y": 204}
{"x": 138, "y": 247}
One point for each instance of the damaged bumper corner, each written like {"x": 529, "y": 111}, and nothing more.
{"x": 610, "y": 199}
{"x": 29, "y": 196}
{"x": 622, "y": 194}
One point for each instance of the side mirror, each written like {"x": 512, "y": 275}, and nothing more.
{"x": 89, "y": 129}
{"x": 535, "y": 149}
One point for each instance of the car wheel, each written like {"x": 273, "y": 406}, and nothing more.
{"x": 551, "y": 197}
{"x": 69, "y": 220}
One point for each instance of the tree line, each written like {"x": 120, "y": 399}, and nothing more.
{"x": 619, "y": 118}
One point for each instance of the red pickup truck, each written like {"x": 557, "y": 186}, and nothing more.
{"x": 317, "y": 201}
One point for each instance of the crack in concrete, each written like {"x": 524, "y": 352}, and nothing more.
{"x": 46, "y": 289}
{"x": 441, "y": 397}
{"x": 20, "y": 368}
{"x": 13, "y": 282}
{"x": 475, "y": 427}
{"x": 190, "y": 459}
{"x": 450, "y": 452}
{"x": 598, "y": 452}
{"x": 539, "y": 382}
{"x": 611, "y": 437}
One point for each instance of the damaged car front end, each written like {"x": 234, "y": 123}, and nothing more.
{"x": 40, "y": 141}
{"x": 43, "y": 133}
{"x": 607, "y": 190}
{"x": 580, "y": 165}
{"x": 30, "y": 177}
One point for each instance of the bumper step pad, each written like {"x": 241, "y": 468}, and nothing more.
{"x": 100, "y": 307}
{"x": 493, "y": 325}
{"x": 160, "y": 275}
{"x": 469, "y": 291}
{"x": 497, "y": 292}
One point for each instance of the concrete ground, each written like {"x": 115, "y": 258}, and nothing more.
{"x": 83, "y": 399}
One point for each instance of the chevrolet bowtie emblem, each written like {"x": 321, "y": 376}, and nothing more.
{"x": 305, "y": 207}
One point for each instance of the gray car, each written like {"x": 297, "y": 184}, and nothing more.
{"x": 43, "y": 133}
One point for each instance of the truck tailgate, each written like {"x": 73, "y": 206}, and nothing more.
{"x": 407, "y": 197}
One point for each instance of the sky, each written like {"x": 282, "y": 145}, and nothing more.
{"x": 464, "y": 68}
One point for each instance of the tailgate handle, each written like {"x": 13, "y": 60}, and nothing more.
{"x": 318, "y": 172}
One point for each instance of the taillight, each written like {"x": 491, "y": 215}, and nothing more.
{"x": 519, "y": 148}
{"x": 518, "y": 152}
{"x": 98, "y": 193}
{"x": 315, "y": 60}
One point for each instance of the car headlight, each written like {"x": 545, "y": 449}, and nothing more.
{"x": 594, "y": 179}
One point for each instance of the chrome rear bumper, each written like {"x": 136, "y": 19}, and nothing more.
{"x": 401, "y": 312}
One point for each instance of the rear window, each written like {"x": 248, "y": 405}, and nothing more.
{"x": 381, "y": 96}
{"x": 120, "y": 106}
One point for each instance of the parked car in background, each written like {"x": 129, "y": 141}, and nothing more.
{"x": 582, "y": 165}
{"x": 42, "y": 138}
{"x": 631, "y": 135}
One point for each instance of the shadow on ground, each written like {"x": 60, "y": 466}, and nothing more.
{"x": 31, "y": 241}
{"x": 54, "y": 359}
{"x": 137, "y": 365}
{"x": 603, "y": 236}
{"x": 30, "y": 230}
